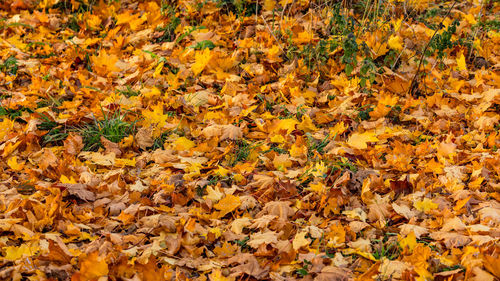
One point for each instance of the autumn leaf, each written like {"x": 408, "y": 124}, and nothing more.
{"x": 461, "y": 62}
{"x": 425, "y": 205}
{"x": 183, "y": 143}
{"x": 92, "y": 267}
{"x": 360, "y": 140}
{"x": 395, "y": 42}
{"x": 300, "y": 240}
{"x": 202, "y": 58}
{"x": 227, "y": 204}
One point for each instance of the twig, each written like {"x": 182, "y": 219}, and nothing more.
{"x": 414, "y": 79}
{"x": 272, "y": 33}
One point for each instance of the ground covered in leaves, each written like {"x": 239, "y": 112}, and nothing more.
{"x": 249, "y": 140}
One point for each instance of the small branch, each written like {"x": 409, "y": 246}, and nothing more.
{"x": 414, "y": 79}
{"x": 272, "y": 33}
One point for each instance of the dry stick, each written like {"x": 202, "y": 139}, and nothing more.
{"x": 413, "y": 80}
{"x": 272, "y": 33}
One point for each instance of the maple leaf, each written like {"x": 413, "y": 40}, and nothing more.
{"x": 92, "y": 266}
{"x": 227, "y": 204}
{"x": 183, "y": 143}
{"x": 13, "y": 164}
{"x": 104, "y": 63}
{"x": 425, "y": 205}
{"x": 395, "y": 42}
{"x": 265, "y": 238}
{"x": 13, "y": 253}
{"x": 144, "y": 137}
{"x": 360, "y": 140}
{"x": 231, "y": 132}
{"x": 461, "y": 62}
{"x": 202, "y": 58}
{"x": 300, "y": 240}
{"x": 156, "y": 117}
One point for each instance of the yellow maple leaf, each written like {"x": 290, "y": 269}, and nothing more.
{"x": 287, "y": 124}
{"x": 320, "y": 169}
{"x": 425, "y": 205}
{"x": 461, "y": 65}
{"x": 300, "y": 240}
{"x": 213, "y": 193}
{"x": 303, "y": 37}
{"x": 217, "y": 275}
{"x": 65, "y": 179}
{"x": 183, "y": 143}
{"x": 93, "y": 267}
{"x": 93, "y": 21}
{"x": 409, "y": 241}
{"x": 13, "y": 253}
{"x": 221, "y": 171}
{"x": 156, "y": 116}
{"x": 359, "y": 141}
{"x": 238, "y": 178}
{"x": 317, "y": 187}
{"x": 395, "y": 42}
{"x": 269, "y": 5}
{"x": 104, "y": 64}
{"x": 5, "y": 127}
{"x": 281, "y": 162}
{"x": 273, "y": 53}
{"x": 227, "y": 204}
{"x": 338, "y": 129}
{"x": 152, "y": 93}
{"x": 277, "y": 139}
{"x": 298, "y": 150}
{"x": 158, "y": 70}
{"x": 14, "y": 165}
{"x": 202, "y": 58}
{"x": 307, "y": 125}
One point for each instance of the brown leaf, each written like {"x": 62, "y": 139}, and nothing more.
{"x": 281, "y": 209}
{"x": 79, "y": 190}
{"x": 144, "y": 137}
{"x": 333, "y": 273}
{"x": 73, "y": 144}
{"x": 111, "y": 147}
{"x": 58, "y": 251}
{"x": 231, "y": 132}
{"x": 401, "y": 187}
{"x": 248, "y": 264}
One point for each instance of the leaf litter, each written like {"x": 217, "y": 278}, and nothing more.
{"x": 249, "y": 140}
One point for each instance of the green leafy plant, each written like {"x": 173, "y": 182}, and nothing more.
{"x": 114, "y": 128}
{"x": 129, "y": 92}
{"x": 386, "y": 248}
{"x": 168, "y": 30}
{"x": 9, "y": 66}
{"x": 340, "y": 23}
{"x": 316, "y": 145}
{"x": 243, "y": 150}
{"x": 243, "y": 243}
{"x": 344, "y": 163}
{"x": 56, "y": 132}
{"x": 364, "y": 112}
{"x": 350, "y": 51}
{"x": 443, "y": 41}
{"x": 305, "y": 268}
{"x": 14, "y": 113}
{"x": 240, "y": 7}
{"x": 159, "y": 141}
{"x": 203, "y": 45}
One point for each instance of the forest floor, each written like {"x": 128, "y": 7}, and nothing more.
{"x": 230, "y": 140}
